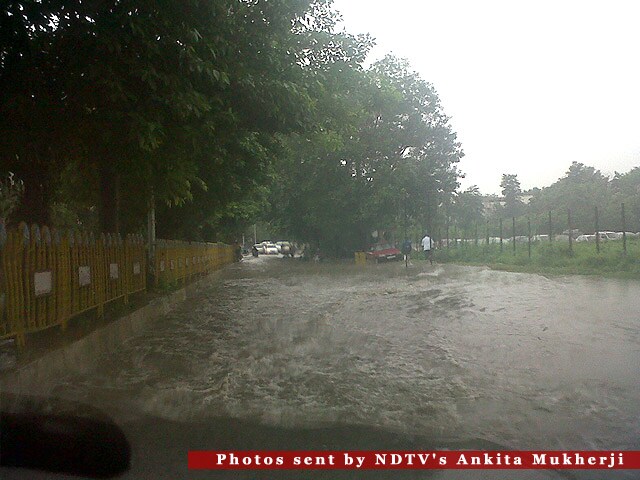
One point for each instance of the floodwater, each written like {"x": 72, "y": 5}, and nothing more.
{"x": 276, "y": 353}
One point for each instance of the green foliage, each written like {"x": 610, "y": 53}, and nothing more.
{"x": 218, "y": 113}
{"x": 580, "y": 190}
{"x": 176, "y": 101}
{"x": 11, "y": 189}
{"x": 512, "y": 194}
{"x": 382, "y": 157}
{"x": 468, "y": 211}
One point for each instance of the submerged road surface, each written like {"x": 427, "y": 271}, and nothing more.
{"x": 279, "y": 354}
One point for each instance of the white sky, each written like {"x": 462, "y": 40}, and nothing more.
{"x": 529, "y": 86}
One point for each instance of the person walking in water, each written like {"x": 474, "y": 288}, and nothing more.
{"x": 426, "y": 247}
{"x": 406, "y": 251}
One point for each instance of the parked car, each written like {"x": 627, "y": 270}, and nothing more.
{"x": 384, "y": 252}
{"x": 586, "y": 238}
{"x": 287, "y": 248}
{"x": 259, "y": 247}
{"x": 604, "y": 236}
{"x": 271, "y": 249}
{"x": 284, "y": 248}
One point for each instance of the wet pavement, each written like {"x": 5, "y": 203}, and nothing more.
{"x": 277, "y": 353}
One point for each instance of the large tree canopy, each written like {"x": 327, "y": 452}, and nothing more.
{"x": 383, "y": 154}
{"x": 172, "y": 97}
{"x": 217, "y": 112}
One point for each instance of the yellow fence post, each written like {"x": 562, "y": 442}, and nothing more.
{"x": 22, "y": 320}
{"x": 62, "y": 278}
{"x": 14, "y": 299}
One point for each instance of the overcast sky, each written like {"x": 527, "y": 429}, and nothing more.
{"x": 529, "y": 86}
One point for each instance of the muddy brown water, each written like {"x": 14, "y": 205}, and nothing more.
{"x": 277, "y": 353}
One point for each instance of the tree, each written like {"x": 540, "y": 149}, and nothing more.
{"x": 580, "y": 190}
{"x": 624, "y": 188}
{"x": 468, "y": 209}
{"x": 175, "y": 101}
{"x": 512, "y": 194}
{"x": 383, "y": 152}
{"x": 209, "y": 108}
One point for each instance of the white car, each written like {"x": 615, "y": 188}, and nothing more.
{"x": 609, "y": 236}
{"x": 271, "y": 249}
{"x": 586, "y": 238}
{"x": 284, "y": 248}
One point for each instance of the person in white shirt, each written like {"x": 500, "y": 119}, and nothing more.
{"x": 426, "y": 247}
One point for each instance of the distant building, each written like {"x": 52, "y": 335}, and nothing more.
{"x": 492, "y": 203}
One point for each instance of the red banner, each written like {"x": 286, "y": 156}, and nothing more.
{"x": 402, "y": 459}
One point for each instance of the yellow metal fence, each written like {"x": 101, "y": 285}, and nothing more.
{"x": 48, "y": 277}
{"x": 177, "y": 262}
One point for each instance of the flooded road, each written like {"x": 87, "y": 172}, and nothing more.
{"x": 277, "y": 353}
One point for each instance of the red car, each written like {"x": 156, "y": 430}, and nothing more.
{"x": 384, "y": 252}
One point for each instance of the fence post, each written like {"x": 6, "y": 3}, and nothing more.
{"x": 22, "y": 236}
{"x": 597, "y": 231}
{"x": 501, "y": 235}
{"x": 550, "y": 228}
{"x": 529, "y": 231}
{"x": 570, "y": 232}
{"x": 513, "y": 233}
{"x": 455, "y": 236}
{"x": 624, "y": 233}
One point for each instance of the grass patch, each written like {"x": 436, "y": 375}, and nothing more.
{"x": 551, "y": 258}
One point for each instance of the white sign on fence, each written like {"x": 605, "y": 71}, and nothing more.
{"x": 172, "y": 264}
{"x": 42, "y": 283}
{"x": 84, "y": 275}
{"x": 136, "y": 268}
{"x": 162, "y": 265}
{"x": 113, "y": 271}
